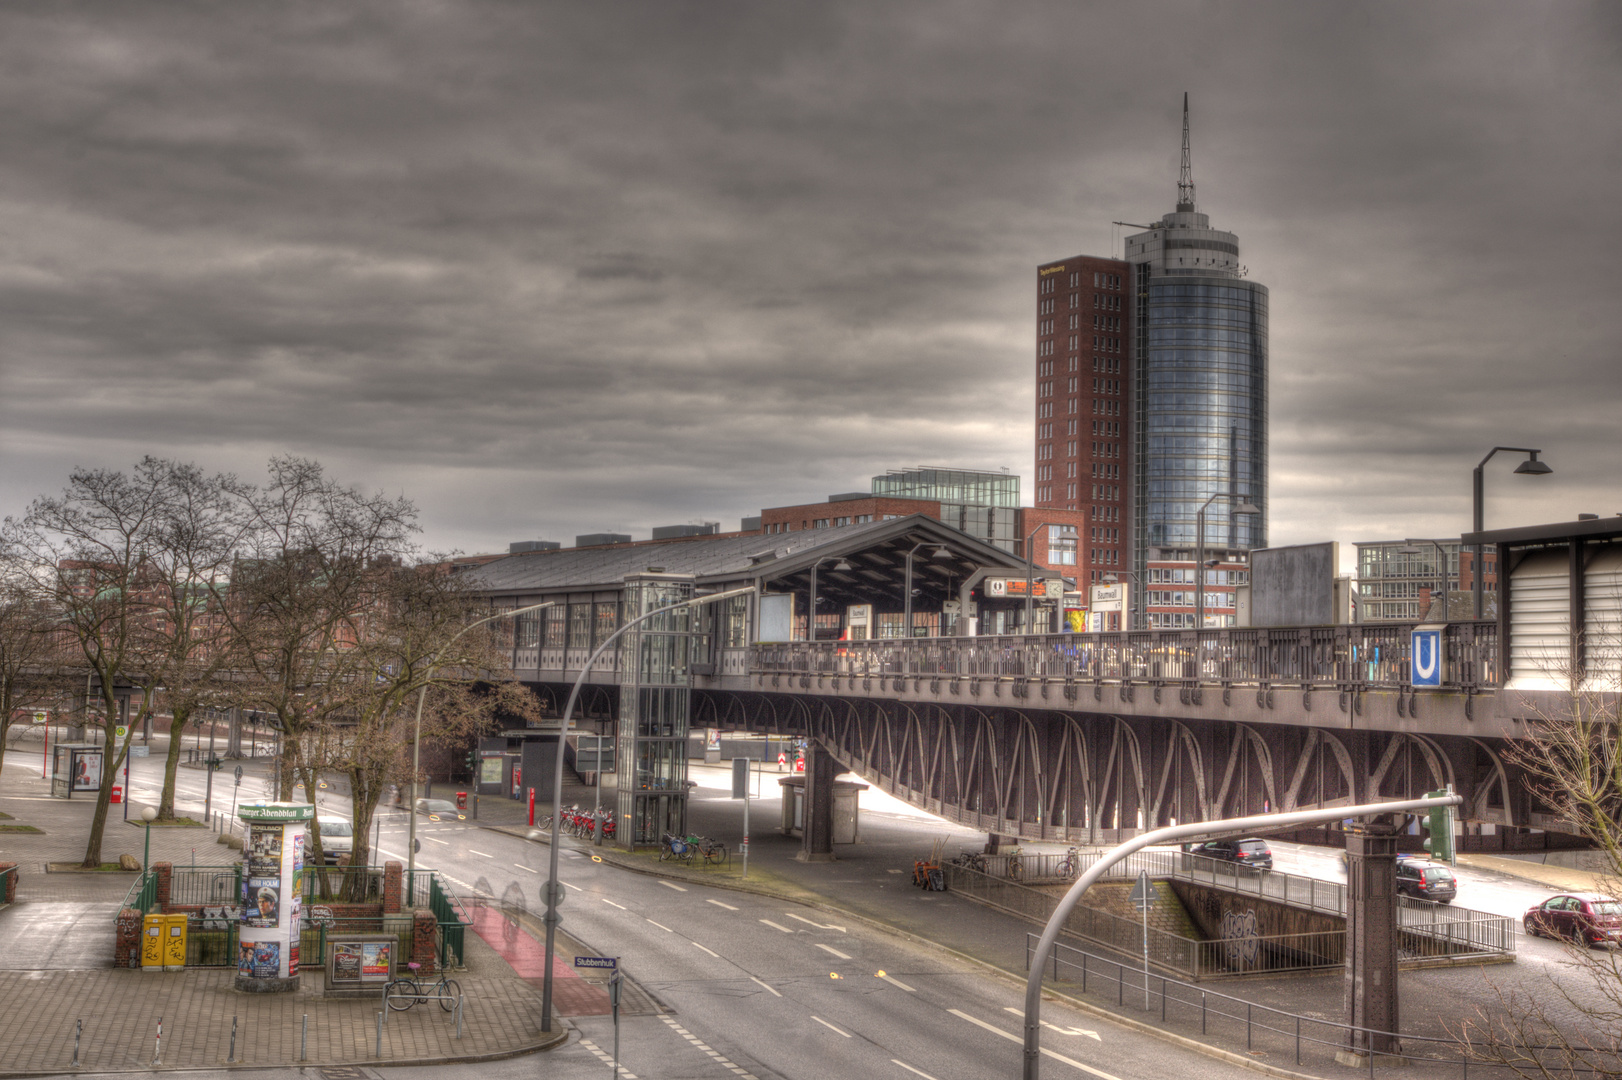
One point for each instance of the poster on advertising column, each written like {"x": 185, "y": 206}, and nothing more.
{"x": 273, "y": 869}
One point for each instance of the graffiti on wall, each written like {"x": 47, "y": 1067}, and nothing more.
{"x": 1241, "y": 939}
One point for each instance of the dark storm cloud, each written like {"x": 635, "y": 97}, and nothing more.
{"x": 557, "y": 268}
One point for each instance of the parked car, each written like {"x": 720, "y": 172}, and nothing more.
{"x": 1589, "y": 918}
{"x": 440, "y": 810}
{"x": 337, "y": 838}
{"x": 1426, "y": 880}
{"x": 1249, "y": 852}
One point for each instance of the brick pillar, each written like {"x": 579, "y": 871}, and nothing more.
{"x": 10, "y": 887}
{"x": 424, "y": 931}
{"x": 127, "y": 946}
{"x": 165, "y": 873}
{"x": 393, "y": 873}
{"x": 1371, "y": 940}
{"x": 817, "y": 832}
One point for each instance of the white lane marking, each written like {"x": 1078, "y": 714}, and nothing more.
{"x": 819, "y": 926}
{"x": 663, "y": 927}
{"x": 431, "y": 840}
{"x": 898, "y": 982}
{"x": 893, "y": 1061}
{"x": 486, "y": 854}
{"x": 718, "y": 903}
{"x": 830, "y": 1027}
{"x": 1061, "y": 1030}
{"x": 521, "y": 866}
{"x": 1016, "y": 1038}
{"x": 576, "y": 888}
{"x": 777, "y": 926}
{"x": 830, "y": 948}
{"x": 774, "y": 993}
{"x": 696, "y": 945}
{"x": 611, "y": 903}
{"x": 671, "y": 885}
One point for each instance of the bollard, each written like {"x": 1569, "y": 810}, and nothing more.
{"x": 379, "y": 1035}
{"x": 157, "y": 1046}
{"x": 78, "y": 1030}
{"x": 304, "y": 1038}
{"x": 232, "y": 1056}
{"x": 458, "y": 1016}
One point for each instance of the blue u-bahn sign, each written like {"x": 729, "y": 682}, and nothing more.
{"x": 1426, "y": 652}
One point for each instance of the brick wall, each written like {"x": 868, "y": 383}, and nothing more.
{"x": 165, "y": 873}
{"x": 127, "y": 946}
{"x": 9, "y": 888}
{"x": 424, "y": 939}
{"x": 393, "y": 875}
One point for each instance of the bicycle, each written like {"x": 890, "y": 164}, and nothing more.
{"x": 406, "y": 991}
{"x": 1071, "y": 866}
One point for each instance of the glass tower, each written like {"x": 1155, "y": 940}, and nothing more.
{"x": 1200, "y": 386}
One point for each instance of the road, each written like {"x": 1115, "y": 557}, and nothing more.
{"x": 754, "y": 986}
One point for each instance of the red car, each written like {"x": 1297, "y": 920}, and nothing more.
{"x": 1588, "y": 918}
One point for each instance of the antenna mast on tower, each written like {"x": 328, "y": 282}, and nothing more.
{"x": 1185, "y": 182}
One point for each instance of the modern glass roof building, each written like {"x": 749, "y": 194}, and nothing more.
{"x": 1200, "y": 386}
{"x": 982, "y": 504}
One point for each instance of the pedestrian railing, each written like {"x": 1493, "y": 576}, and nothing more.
{"x": 1329, "y": 657}
{"x": 1277, "y": 1034}
{"x": 214, "y": 942}
{"x": 143, "y": 893}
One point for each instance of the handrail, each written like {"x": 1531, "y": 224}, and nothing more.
{"x": 1355, "y": 657}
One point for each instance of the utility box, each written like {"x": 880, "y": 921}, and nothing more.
{"x": 846, "y": 813}
{"x": 174, "y": 942}
{"x": 152, "y": 929}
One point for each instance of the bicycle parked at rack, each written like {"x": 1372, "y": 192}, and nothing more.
{"x": 407, "y": 991}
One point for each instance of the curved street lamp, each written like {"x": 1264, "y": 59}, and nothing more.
{"x": 416, "y": 737}
{"x": 553, "y": 889}
{"x": 941, "y": 551}
{"x": 1530, "y": 467}
{"x": 1199, "y": 559}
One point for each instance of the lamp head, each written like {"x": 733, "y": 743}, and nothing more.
{"x": 1247, "y": 508}
{"x": 1532, "y": 466}
{"x": 842, "y": 564}
{"x": 149, "y": 815}
{"x": 942, "y": 552}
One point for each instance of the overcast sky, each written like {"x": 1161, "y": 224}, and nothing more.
{"x": 556, "y": 268}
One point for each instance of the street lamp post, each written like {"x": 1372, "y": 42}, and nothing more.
{"x": 811, "y": 614}
{"x": 1199, "y": 569}
{"x": 1530, "y": 467}
{"x": 149, "y": 815}
{"x": 1029, "y": 575}
{"x": 554, "y": 889}
{"x": 1114, "y": 576}
{"x": 416, "y": 737}
{"x": 1411, "y": 547}
{"x": 906, "y": 616}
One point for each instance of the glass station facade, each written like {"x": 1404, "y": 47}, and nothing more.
{"x": 654, "y": 711}
{"x": 982, "y": 504}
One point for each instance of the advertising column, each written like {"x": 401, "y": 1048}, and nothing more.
{"x": 272, "y": 876}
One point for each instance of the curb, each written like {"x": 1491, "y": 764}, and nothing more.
{"x": 1229, "y": 1056}
{"x": 551, "y": 1043}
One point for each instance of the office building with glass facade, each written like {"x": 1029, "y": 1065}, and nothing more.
{"x": 983, "y": 504}
{"x": 1177, "y": 415}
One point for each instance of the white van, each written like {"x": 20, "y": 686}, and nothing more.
{"x": 337, "y": 838}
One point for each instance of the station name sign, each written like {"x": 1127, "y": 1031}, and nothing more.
{"x": 276, "y": 812}
{"x": 1016, "y": 587}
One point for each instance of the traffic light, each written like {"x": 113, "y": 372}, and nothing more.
{"x": 472, "y": 761}
{"x": 1439, "y": 824}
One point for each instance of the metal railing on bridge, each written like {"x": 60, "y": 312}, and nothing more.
{"x": 1367, "y": 655}
{"x": 1427, "y": 931}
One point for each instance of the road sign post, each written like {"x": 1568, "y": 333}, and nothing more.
{"x": 740, "y": 790}
{"x": 1143, "y": 897}
{"x": 614, "y": 986}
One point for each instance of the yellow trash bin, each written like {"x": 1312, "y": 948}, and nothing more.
{"x": 152, "y": 934}
{"x": 174, "y": 943}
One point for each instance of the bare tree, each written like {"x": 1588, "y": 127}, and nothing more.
{"x": 183, "y": 646}
{"x": 88, "y": 551}
{"x": 301, "y": 596}
{"x": 418, "y": 638}
{"x": 30, "y": 653}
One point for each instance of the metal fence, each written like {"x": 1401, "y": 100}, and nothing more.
{"x": 1186, "y": 956}
{"x": 214, "y": 943}
{"x": 1337, "y": 657}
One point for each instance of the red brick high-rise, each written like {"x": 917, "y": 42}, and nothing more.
{"x": 1083, "y": 408}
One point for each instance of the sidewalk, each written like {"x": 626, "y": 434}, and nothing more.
{"x": 56, "y": 948}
